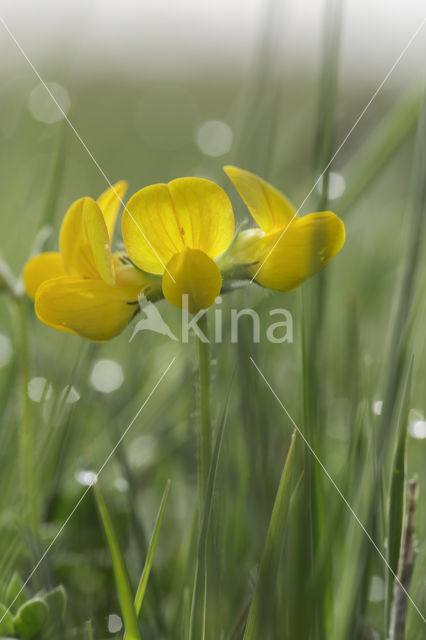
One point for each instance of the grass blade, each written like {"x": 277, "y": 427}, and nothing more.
{"x": 151, "y": 551}
{"x": 55, "y": 182}
{"x": 396, "y": 497}
{"x": 89, "y": 630}
{"x": 379, "y": 149}
{"x": 197, "y": 627}
{"x": 409, "y": 281}
{"x": 269, "y": 565}
{"x": 121, "y": 577}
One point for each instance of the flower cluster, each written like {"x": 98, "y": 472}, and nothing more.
{"x": 181, "y": 245}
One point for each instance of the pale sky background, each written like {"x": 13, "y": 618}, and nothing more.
{"x": 146, "y": 37}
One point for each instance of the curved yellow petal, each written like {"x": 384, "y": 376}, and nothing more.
{"x": 268, "y": 206}
{"x": 40, "y": 268}
{"x": 150, "y": 229}
{"x": 110, "y": 202}
{"x": 308, "y": 245}
{"x": 160, "y": 220}
{"x": 205, "y": 214}
{"x": 196, "y": 277}
{"x": 84, "y": 242}
{"x": 90, "y": 308}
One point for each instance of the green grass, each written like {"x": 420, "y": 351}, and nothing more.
{"x": 245, "y": 550}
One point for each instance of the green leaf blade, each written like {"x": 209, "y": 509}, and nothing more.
{"x": 269, "y": 564}
{"x": 30, "y": 618}
{"x": 197, "y": 625}
{"x": 125, "y": 597}
{"x": 140, "y": 593}
{"x": 7, "y": 626}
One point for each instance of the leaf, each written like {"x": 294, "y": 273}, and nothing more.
{"x": 151, "y": 551}
{"x": 272, "y": 550}
{"x": 397, "y": 493}
{"x": 378, "y": 149}
{"x": 30, "y": 618}
{"x": 7, "y": 626}
{"x": 89, "y": 630}
{"x": 15, "y": 594}
{"x": 197, "y": 627}
{"x": 121, "y": 577}
{"x": 56, "y": 600}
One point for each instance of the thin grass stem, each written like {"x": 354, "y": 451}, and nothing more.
{"x": 28, "y": 470}
{"x": 204, "y": 422}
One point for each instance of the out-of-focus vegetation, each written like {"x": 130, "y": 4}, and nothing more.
{"x": 352, "y": 379}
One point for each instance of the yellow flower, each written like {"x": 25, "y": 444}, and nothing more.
{"x": 86, "y": 289}
{"x": 177, "y": 230}
{"x": 286, "y": 249}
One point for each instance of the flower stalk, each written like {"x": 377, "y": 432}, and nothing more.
{"x": 204, "y": 420}
{"x": 26, "y": 437}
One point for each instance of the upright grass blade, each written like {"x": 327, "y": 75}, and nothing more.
{"x": 121, "y": 577}
{"x": 328, "y": 89}
{"x": 398, "y": 337}
{"x": 197, "y": 626}
{"x": 312, "y": 512}
{"x": 28, "y": 468}
{"x": 55, "y": 183}
{"x": 396, "y": 497}
{"x": 205, "y": 422}
{"x": 257, "y": 126}
{"x": 88, "y": 629}
{"x": 151, "y": 551}
{"x": 268, "y": 569}
{"x": 379, "y": 148}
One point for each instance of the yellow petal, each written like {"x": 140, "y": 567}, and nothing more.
{"x": 160, "y": 220}
{"x": 305, "y": 248}
{"x": 90, "y": 308}
{"x": 110, "y": 202}
{"x": 205, "y": 214}
{"x": 195, "y": 276}
{"x": 40, "y": 268}
{"x": 84, "y": 242}
{"x": 268, "y": 206}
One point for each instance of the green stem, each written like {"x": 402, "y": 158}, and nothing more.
{"x": 204, "y": 423}
{"x": 28, "y": 470}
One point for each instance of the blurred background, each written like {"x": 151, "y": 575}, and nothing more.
{"x": 158, "y": 90}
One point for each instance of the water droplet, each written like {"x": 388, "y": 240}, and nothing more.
{"x": 142, "y": 451}
{"x": 69, "y": 395}
{"x": 42, "y": 106}
{"x": 377, "y": 589}
{"x": 121, "y": 484}
{"x": 336, "y": 185}
{"x": 114, "y": 623}
{"x": 85, "y": 477}
{"x": 106, "y": 376}
{"x": 377, "y": 407}
{"x": 417, "y": 429}
{"x": 214, "y": 138}
{"x": 39, "y": 389}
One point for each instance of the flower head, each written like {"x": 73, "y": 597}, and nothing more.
{"x": 177, "y": 230}
{"x": 285, "y": 249}
{"x": 86, "y": 289}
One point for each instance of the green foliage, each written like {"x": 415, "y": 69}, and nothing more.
{"x": 309, "y": 571}
{"x": 259, "y": 616}
{"x": 7, "y": 624}
{"x": 41, "y": 616}
{"x": 120, "y": 571}
{"x": 30, "y": 618}
{"x": 140, "y": 593}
